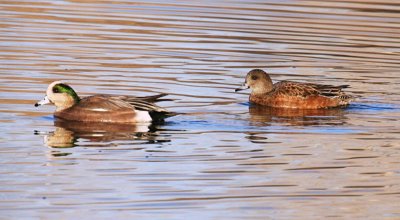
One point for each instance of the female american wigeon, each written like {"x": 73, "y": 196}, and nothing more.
{"x": 102, "y": 108}
{"x": 288, "y": 94}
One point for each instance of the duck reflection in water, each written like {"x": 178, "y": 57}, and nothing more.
{"x": 260, "y": 115}
{"x": 68, "y": 133}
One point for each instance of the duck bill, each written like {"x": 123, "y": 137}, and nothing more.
{"x": 44, "y": 101}
{"x": 242, "y": 87}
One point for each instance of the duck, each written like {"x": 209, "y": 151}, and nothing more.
{"x": 295, "y": 95}
{"x": 101, "y": 107}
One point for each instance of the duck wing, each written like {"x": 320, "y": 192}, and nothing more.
{"x": 288, "y": 88}
{"x": 143, "y": 103}
{"x": 152, "y": 98}
{"x": 155, "y": 98}
{"x": 103, "y": 103}
{"x": 330, "y": 90}
{"x": 114, "y": 102}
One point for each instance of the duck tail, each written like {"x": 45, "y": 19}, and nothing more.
{"x": 345, "y": 99}
{"x": 159, "y": 116}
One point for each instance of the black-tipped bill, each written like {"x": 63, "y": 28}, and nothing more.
{"x": 44, "y": 101}
{"x": 242, "y": 87}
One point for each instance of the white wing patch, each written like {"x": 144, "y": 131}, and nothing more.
{"x": 143, "y": 116}
{"x": 99, "y": 110}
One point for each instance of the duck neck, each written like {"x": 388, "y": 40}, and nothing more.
{"x": 264, "y": 87}
{"x": 67, "y": 102}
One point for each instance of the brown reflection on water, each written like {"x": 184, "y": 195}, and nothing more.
{"x": 304, "y": 117}
{"x": 67, "y": 133}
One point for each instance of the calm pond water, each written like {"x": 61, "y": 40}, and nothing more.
{"x": 222, "y": 159}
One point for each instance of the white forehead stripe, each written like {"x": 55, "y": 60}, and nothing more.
{"x": 50, "y": 88}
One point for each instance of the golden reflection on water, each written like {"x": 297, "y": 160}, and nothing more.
{"x": 221, "y": 159}
{"x": 67, "y": 133}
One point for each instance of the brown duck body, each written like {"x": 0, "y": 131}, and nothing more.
{"x": 296, "y": 95}
{"x": 101, "y": 108}
{"x": 288, "y": 94}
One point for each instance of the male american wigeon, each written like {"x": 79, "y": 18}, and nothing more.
{"x": 287, "y": 94}
{"x": 102, "y": 108}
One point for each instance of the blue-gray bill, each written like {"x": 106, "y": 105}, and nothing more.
{"x": 44, "y": 101}
{"x": 242, "y": 87}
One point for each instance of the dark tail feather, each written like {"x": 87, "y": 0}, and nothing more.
{"x": 343, "y": 86}
{"x": 160, "y": 116}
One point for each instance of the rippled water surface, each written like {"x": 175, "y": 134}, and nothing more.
{"x": 222, "y": 159}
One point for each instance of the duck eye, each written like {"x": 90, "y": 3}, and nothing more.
{"x": 56, "y": 90}
{"x": 254, "y": 77}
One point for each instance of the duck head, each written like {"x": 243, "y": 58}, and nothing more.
{"x": 258, "y": 81}
{"x": 61, "y": 95}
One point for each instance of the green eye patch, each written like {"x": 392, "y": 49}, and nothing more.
{"x": 64, "y": 88}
